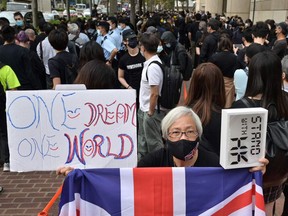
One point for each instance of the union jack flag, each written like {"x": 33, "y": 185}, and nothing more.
{"x": 162, "y": 191}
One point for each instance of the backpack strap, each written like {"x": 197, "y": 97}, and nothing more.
{"x": 161, "y": 66}
{"x": 245, "y": 101}
{"x": 75, "y": 38}
{"x": 156, "y": 62}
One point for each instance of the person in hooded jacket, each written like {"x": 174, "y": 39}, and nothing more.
{"x": 174, "y": 50}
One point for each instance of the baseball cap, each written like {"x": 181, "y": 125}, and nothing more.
{"x": 128, "y": 33}
{"x": 152, "y": 29}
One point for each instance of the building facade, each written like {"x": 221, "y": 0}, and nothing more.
{"x": 257, "y": 10}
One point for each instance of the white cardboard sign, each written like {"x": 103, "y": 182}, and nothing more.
{"x": 243, "y": 137}
{"x": 83, "y": 129}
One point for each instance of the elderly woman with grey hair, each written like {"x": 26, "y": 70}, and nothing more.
{"x": 182, "y": 130}
{"x": 285, "y": 88}
{"x": 285, "y": 73}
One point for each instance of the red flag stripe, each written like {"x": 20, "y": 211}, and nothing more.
{"x": 237, "y": 203}
{"x": 153, "y": 192}
{"x": 260, "y": 201}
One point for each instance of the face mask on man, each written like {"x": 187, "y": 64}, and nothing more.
{"x": 19, "y": 23}
{"x": 159, "y": 49}
{"x": 98, "y": 32}
{"x": 183, "y": 149}
{"x": 168, "y": 45}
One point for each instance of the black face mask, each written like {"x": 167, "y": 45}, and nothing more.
{"x": 132, "y": 42}
{"x": 183, "y": 149}
{"x": 167, "y": 49}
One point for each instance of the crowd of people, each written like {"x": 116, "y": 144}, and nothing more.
{"x": 232, "y": 61}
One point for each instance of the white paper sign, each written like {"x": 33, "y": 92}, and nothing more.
{"x": 84, "y": 129}
{"x": 243, "y": 137}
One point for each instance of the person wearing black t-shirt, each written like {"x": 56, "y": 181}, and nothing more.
{"x": 131, "y": 64}
{"x": 57, "y": 65}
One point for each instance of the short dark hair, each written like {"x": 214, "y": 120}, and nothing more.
{"x": 18, "y": 14}
{"x": 41, "y": 25}
{"x": 284, "y": 27}
{"x": 4, "y": 21}
{"x": 124, "y": 20}
{"x": 260, "y": 29}
{"x": 214, "y": 24}
{"x": 8, "y": 33}
{"x": 247, "y": 34}
{"x": 48, "y": 27}
{"x": 113, "y": 20}
{"x": 58, "y": 39}
{"x": 150, "y": 42}
{"x": 63, "y": 26}
{"x": 105, "y": 25}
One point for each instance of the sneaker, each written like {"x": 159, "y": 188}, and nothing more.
{"x": 6, "y": 167}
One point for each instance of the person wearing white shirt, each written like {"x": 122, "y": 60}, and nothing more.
{"x": 149, "y": 116}
{"x": 45, "y": 51}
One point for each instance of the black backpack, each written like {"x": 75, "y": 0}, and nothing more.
{"x": 187, "y": 73}
{"x": 171, "y": 88}
{"x": 70, "y": 69}
{"x": 76, "y": 44}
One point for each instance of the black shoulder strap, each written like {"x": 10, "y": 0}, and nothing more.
{"x": 75, "y": 38}
{"x": 247, "y": 104}
{"x": 161, "y": 66}
{"x": 41, "y": 51}
{"x": 245, "y": 101}
{"x": 156, "y": 62}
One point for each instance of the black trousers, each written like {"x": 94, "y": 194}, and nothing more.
{"x": 4, "y": 150}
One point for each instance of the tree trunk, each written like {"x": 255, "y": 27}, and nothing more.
{"x": 68, "y": 9}
{"x": 35, "y": 13}
{"x": 113, "y": 7}
{"x": 132, "y": 14}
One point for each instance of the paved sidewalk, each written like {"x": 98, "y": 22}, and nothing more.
{"x": 28, "y": 193}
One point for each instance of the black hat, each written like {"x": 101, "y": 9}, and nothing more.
{"x": 128, "y": 33}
